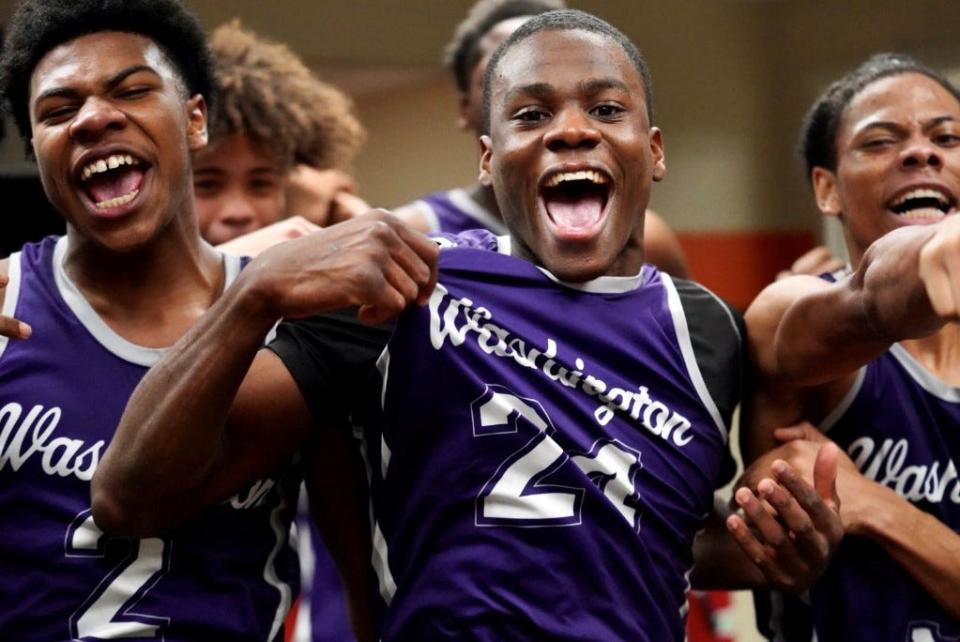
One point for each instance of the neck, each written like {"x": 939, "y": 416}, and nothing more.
{"x": 939, "y": 353}
{"x": 150, "y": 295}
{"x": 484, "y": 197}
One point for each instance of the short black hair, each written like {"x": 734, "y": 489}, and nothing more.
{"x": 38, "y": 26}
{"x": 568, "y": 20}
{"x": 462, "y": 53}
{"x": 818, "y": 137}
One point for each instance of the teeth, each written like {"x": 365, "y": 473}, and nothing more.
{"x": 921, "y": 193}
{"x": 103, "y": 164}
{"x": 582, "y": 175}
{"x": 118, "y": 201}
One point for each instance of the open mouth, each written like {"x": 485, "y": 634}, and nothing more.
{"x": 923, "y": 204}
{"x": 575, "y": 201}
{"x": 112, "y": 181}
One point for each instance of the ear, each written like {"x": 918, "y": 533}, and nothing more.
{"x": 486, "y": 152}
{"x": 825, "y": 189}
{"x": 656, "y": 151}
{"x": 196, "y": 122}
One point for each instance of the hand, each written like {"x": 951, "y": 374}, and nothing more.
{"x": 373, "y": 261}
{"x": 10, "y": 327}
{"x": 814, "y": 263}
{"x": 801, "y": 443}
{"x": 256, "y": 242}
{"x": 939, "y": 269}
{"x": 313, "y": 193}
{"x": 789, "y": 528}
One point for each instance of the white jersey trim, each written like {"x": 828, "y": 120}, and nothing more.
{"x": 689, "y": 358}
{"x": 433, "y": 222}
{"x": 270, "y": 571}
{"x": 477, "y": 212}
{"x": 926, "y": 379}
{"x": 841, "y": 408}
{"x": 599, "y": 285}
{"x": 11, "y": 296}
{"x": 97, "y": 327}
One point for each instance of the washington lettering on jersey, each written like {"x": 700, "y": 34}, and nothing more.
{"x": 886, "y": 465}
{"x": 653, "y": 415}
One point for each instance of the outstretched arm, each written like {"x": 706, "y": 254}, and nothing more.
{"x": 200, "y": 425}
{"x": 804, "y": 331}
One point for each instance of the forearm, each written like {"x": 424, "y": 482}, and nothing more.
{"x": 925, "y": 547}
{"x": 820, "y": 332}
{"x": 171, "y": 436}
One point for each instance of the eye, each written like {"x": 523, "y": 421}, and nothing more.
{"x": 58, "y": 114}
{"x": 878, "y": 143}
{"x": 206, "y": 187}
{"x": 607, "y": 111}
{"x": 946, "y": 139}
{"x": 531, "y": 115}
{"x": 133, "y": 93}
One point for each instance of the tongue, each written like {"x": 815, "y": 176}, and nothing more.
{"x": 569, "y": 211}
{"x": 114, "y": 183}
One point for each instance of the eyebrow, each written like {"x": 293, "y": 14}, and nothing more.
{"x": 593, "y": 87}
{"x": 110, "y": 83}
{"x": 892, "y": 126}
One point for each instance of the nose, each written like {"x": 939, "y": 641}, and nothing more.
{"x": 571, "y": 129}
{"x": 236, "y": 210}
{"x": 95, "y": 118}
{"x": 920, "y": 153}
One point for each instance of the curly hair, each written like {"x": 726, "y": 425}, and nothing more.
{"x": 818, "y": 136}
{"x": 38, "y": 26}
{"x": 569, "y": 20}
{"x": 268, "y": 94}
{"x": 462, "y": 54}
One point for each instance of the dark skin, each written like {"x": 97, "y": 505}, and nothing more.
{"x": 218, "y": 411}
{"x": 662, "y": 246}
{"x": 808, "y": 337}
{"x": 141, "y": 264}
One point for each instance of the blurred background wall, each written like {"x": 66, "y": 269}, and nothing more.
{"x": 732, "y": 79}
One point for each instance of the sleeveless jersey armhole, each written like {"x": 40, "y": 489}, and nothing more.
{"x": 11, "y": 294}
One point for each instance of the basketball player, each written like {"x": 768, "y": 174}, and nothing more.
{"x": 489, "y": 23}
{"x": 274, "y": 120}
{"x": 110, "y": 96}
{"x": 544, "y": 432}
{"x": 871, "y": 356}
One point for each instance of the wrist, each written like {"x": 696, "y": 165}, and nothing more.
{"x": 256, "y": 296}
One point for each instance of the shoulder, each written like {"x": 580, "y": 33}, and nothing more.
{"x": 418, "y": 214}
{"x": 711, "y": 332}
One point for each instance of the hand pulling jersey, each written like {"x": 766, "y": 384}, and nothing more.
{"x": 542, "y": 454}
{"x": 453, "y": 211}
{"x": 226, "y": 575}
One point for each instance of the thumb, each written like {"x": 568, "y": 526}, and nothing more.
{"x": 825, "y": 474}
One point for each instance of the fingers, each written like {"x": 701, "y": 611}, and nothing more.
{"x": 346, "y": 206}
{"x": 765, "y": 542}
{"x": 825, "y": 475}
{"x": 14, "y": 329}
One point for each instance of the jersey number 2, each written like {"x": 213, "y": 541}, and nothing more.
{"x": 519, "y": 494}
{"x": 120, "y": 590}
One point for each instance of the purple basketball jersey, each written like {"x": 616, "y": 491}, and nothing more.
{"x": 453, "y": 211}
{"x": 541, "y": 454}
{"x": 898, "y": 424}
{"x": 226, "y": 575}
